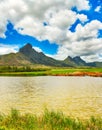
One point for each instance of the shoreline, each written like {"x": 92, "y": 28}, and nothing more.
{"x": 76, "y": 73}
{"x": 82, "y": 74}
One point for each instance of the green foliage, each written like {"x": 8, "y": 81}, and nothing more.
{"x": 50, "y": 120}
{"x": 21, "y": 69}
{"x": 42, "y": 71}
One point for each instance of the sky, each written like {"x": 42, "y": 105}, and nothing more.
{"x": 58, "y": 28}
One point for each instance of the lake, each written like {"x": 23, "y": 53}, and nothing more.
{"x": 75, "y": 96}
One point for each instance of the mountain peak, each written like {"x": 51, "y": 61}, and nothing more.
{"x": 77, "y": 58}
{"x": 26, "y": 49}
{"x": 79, "y": 61}
{"x": 28, "y": 45}
{"x": 70, "y": 58}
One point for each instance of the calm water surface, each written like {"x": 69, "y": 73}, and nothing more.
{"x": 76, "y": 96}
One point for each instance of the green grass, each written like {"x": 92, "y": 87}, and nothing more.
{"x": 71, "y": 70}
{"x": 49, "y": 71}
{"x": 50, "y": 120}
{"x": 42, "y": 73}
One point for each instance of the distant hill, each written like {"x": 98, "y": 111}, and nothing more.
{"x": 76, "y": 61}
{"x": 28, "y": 56}
{"x": 14, "y": 59}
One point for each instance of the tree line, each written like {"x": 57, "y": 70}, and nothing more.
{"x": 21, "y": 69}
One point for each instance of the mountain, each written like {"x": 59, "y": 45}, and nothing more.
{"x": 28, "y": 56}
{"x": 69, "y": 61}
{"x": 14, "y": 59}
{"x": 79, "y": 61}
{"x": 95, "y": 64}
{"x": 38, "y": 58}
{"x": 76, "y": 61}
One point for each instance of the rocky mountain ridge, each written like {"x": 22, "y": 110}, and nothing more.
{"x": 28, "y": 56}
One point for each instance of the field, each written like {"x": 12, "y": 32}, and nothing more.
{"x": 42, "y": 71}
{"x": 50, "y": 120}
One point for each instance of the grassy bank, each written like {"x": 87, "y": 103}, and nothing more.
{"x": 9, "y": 71}
{"x": 48, "y": 121}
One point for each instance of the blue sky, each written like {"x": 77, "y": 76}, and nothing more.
{"x": 58, "y": 28}
{"x": 15, "y": 38}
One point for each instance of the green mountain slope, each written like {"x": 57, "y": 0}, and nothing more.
{"x": 38, "y": 58}
{"x": 28, "y": 56}
{"x": 14, "y": 59}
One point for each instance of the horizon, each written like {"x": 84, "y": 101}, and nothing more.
{"x": 57, "y": 28}
{"x": 39, "y": 51}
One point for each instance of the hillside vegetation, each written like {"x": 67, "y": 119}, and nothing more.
{"x": 28, "y": 56}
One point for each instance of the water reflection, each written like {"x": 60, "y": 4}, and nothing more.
{"x": 75, "y": 96}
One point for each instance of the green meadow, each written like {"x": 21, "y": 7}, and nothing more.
{"x": 42, "y": 71}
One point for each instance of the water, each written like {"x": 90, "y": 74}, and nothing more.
{"x": 75, "y": 96}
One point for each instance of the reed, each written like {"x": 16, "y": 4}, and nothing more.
{"x": 50, "y": 120}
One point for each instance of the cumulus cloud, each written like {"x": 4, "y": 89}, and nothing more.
{"x": 82, "y": 33}
{"x": 91, "y": 58}
{"x": 63, "y": 19}
{"x": 98, "y": 8}
{"x": 30, "y": 15}
{"x": 6, "y": 49}
{"x": 82, "y": 17}
{"x": 37, "y": 49}
{"x": 58, "y": 23}
{"x": 83, "y": 42}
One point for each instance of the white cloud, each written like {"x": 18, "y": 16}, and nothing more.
{"x": 82, "y": 17}
{"x": 6, "y": 49}
{"x": 37, "y": 11}
{"x": 31, "y": 27}
{"x": 82, "y": 4}
{"x": 61, "y": 54}
{"x": 82, "y": 33}
{"x": 91, "y": 58}
{"x": 98, "y": 8}
{"x": 37, "y": 49}
{"x": 56, "y": 28}
{"x": 63, "y": 19}
{"x": 83, "y": 42}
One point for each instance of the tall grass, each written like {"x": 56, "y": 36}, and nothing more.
{"x": 48, "y": 121}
